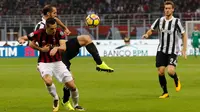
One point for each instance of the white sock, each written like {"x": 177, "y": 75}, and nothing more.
{"x": 75, "y": 97}
{"x": 52, "y": 91}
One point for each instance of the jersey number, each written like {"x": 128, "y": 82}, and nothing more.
{"x": 173, "y": 61}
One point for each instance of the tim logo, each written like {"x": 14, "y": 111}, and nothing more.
{"x": 28, "y": 51}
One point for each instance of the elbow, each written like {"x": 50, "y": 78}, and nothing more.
{"x": 25, "y": 38}
{"x": 30, "y": 44}
{"x": 64, "y": 48}
{"x": 150, "y": 31}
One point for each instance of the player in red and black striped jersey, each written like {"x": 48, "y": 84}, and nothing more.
{"x": 73, "y": 46}
{"x": 50, "y": 40}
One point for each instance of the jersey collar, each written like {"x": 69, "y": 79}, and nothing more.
{"x": 43, "y": 20}
{"x": 169, "y": 19}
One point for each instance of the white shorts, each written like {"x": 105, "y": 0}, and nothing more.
{"x": 56, "y": 69}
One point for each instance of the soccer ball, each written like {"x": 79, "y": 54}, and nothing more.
{"x": 92, "y": 20}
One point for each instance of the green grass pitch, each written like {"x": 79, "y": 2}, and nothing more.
{"x": 133, "y": 87}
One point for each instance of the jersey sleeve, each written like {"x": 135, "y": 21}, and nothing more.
{"x": 155, "y": 24}
{"x": 40, "y": 25}
{"x": 180, "y": 27}
{"x": 33, "y": 35}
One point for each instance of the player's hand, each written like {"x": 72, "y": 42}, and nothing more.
{"x": 45, "y": 48}
{"x": 53, "y": 51}
{"x": 145, "y": 36}
{"x": 21, "y": 40}
{"x": 184, "y": 54}
{"x": 67, "y": 32}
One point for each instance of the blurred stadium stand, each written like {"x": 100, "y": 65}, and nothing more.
{"x": 140, "y": 13}
{"x": 33, "y": 7}
{"x": 72, "y": 11}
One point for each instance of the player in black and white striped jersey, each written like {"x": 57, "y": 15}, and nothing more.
{"x": 40, "y": 25}
{"x": 168, "y": 36}
{"x": 47, "y": 12}
{"x": 168, "y": 48}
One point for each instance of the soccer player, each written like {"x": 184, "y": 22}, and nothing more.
{"x": 76, "y": 43}
{"x": 195, "y": 39}
{"x": 50, "y": 11}
{"x": 168, "y": 48}
{"x": 72, "y": 50}
{"x": 52, "y": 40}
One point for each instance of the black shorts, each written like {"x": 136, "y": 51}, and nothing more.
{"x": 163, "y": 59}
{"x": 72, "y": 51}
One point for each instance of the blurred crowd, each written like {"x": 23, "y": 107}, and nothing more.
{"x": 33, "y": 7}
{"x": 187, "y": 6}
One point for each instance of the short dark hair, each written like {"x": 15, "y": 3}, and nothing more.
{"x": 46, "y": 9}
{"x": 50, "y": 21}
{"x": 169, "y": 3}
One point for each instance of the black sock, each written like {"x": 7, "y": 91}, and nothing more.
{"x": 175, "y": 77}
{"x": 66, "y": 94}
{"x": 163, "y": 83}
{"x": 91, "y": 48}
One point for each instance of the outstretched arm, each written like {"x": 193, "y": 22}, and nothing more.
{"x": 184, "y": 49}
{"x": 66, "y": 30}
{"x": 152, "y": 28}
{"x": 22, "y": 39}
{"x": 147, "y": 34}
{"x": 32, "y": 42}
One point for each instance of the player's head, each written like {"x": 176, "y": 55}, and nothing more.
{"x": 49, "y": 11}
{"x": 51, "y": 26}
{"x": 168, "y": 8}
{"x": 195, "y": 28}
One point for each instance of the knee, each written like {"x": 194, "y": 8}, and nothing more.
{"x": 48, "y": 82}
{"x": 85, "y": 39}
{"x": 71, "y": 85}
{"x": 171, "y": 71}
{"x": 161, "y": 71}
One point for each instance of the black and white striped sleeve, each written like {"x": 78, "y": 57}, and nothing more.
{"x": 180, "y": 27}
{"x": 155, "y": 24}
{"x": 40, "y": 25}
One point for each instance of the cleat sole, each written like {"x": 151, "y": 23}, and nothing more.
{"x": 105, "y": 70}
